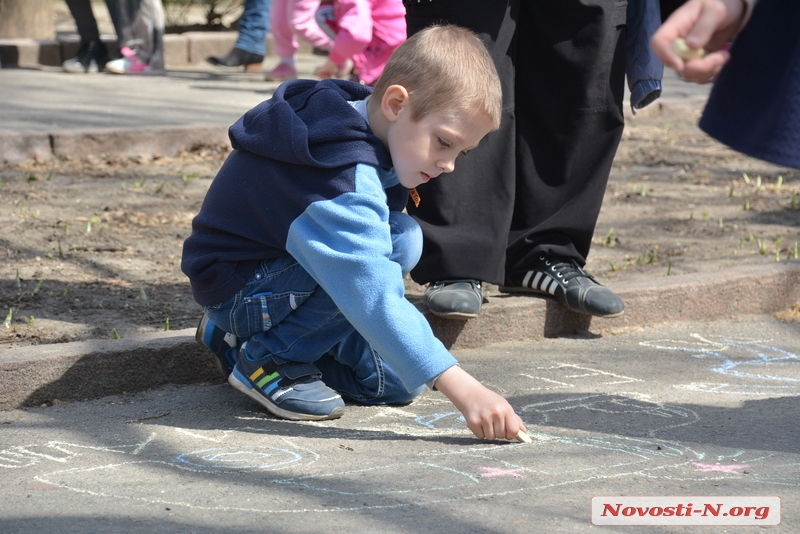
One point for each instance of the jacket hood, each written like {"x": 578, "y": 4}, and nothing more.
{"x": 311, "y": 123}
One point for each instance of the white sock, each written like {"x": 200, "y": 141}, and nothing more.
{"x": 288, "y": 60}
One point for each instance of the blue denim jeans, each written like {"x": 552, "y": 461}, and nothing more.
{"x": 283, "y": 312}
{"x": 254, "y": 26}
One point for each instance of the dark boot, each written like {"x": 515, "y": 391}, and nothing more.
{"x": 92, "y": 56}
{"x": 236, "y": 58}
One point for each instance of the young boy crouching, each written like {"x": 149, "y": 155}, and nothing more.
{"x": 300, "y": 248}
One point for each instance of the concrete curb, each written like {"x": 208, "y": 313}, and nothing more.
{"x": 38, "y": 374}
{"x": 16, "y": 148}
{"x": 34, "y": 375}
{"x": 180, "y": 49}
{"x": 146, "y": 142}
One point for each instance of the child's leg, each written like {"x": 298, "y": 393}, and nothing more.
{"x": 311, "y": 329}
{"x": 283, "y": 37}
{"x": 406, "y": 240}
{"x": 278, "y": 289}
{"x": 355, "y": 370}
{"x": 303, "y": 21}
{"x": 122, "y": 13}
{"x": 266, "y": 299}
{"x": 288, "y": 315}
{"x": 290, "y": 322}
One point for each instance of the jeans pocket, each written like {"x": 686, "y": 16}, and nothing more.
{"x": 264, "y": 310}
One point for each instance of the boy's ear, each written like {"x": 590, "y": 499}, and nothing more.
{"x": 395, "y": 100}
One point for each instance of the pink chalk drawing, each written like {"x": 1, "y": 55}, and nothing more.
{"x": 487, "y": 472}
{"x": 705, "y": 468}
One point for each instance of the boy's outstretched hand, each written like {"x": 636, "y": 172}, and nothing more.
{"x": 488, "y": 415}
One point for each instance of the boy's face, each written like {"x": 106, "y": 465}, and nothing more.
{"x": 424, "y": 149}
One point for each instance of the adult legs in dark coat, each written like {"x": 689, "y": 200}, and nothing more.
{"x": 533, "y": 188}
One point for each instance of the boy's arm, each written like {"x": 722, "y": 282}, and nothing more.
{"x": 488, "y": 415}
{"x": 345, "y": 245}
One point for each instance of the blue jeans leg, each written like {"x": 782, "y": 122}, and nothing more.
{"x": 254, "y": 26}
{"x": 356, "y": 371}
{"x": 306, "y": 334}
{"x": 283, "y": 312}
{"x": 317, "y": 332}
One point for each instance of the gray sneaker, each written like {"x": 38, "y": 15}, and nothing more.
{"x": 454, "y": 299}
{"x": 564, "y": 280}
{"x": 289, "y": 390}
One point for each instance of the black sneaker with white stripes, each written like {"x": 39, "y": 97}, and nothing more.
{"x": 564, "y": 280}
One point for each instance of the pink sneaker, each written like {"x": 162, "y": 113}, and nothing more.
{"x": 129, "y": 63}
{"x": 281, "y": 73}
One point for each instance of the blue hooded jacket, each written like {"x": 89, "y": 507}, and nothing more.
{"x": 308, "y": 178}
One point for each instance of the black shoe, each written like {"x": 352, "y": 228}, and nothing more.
{"x": 564, "y": 280}
{"x": 92, "y": 56}
{"x": 237, "y": 58}
{"x": 454, "y": 299}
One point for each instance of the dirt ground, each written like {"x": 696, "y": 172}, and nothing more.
{"x": 91, "y": 248}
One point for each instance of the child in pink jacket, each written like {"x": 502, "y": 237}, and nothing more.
{"x": 367, "y": 33}
{"x": 290, "y": 19}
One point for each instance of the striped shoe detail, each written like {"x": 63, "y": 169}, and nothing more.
{"x": 263, "y": 381}
{"x": 541, "y": 282}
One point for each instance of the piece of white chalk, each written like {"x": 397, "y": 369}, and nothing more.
{"x": 523, "y": 437}
{"x": 684, "y": 51}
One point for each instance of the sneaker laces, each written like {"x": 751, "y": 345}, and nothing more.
{"x": 86, "y": 52}
{"x": 566, "y": 269}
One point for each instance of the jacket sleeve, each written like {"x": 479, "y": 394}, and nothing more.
{"x": 354, "y": 18}
{"x": 643, "y": 69}
{"x": 345, "y": 244}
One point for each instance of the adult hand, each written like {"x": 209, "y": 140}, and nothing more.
{"x": 328, "y": 70}
{"x": 707, "y": 24}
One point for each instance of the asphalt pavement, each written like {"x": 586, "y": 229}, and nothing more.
{"x": 691, "y": 411}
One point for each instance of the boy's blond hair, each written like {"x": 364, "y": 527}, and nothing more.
{"x": 445, "y": 69}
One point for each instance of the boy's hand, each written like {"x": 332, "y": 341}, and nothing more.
{"x": 488, "y": 415}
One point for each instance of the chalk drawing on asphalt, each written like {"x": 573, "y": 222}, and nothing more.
{"x": 753, "y": 366}
{"x": 276, "y": 468}
{"x": 240, "y": 458}
{"x": 270, "y": 469}
{"x": 571, "y": 376}
{"x": 576, "y": 410}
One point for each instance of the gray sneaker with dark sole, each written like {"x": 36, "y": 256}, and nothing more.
{"x": 454, "y": 299}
